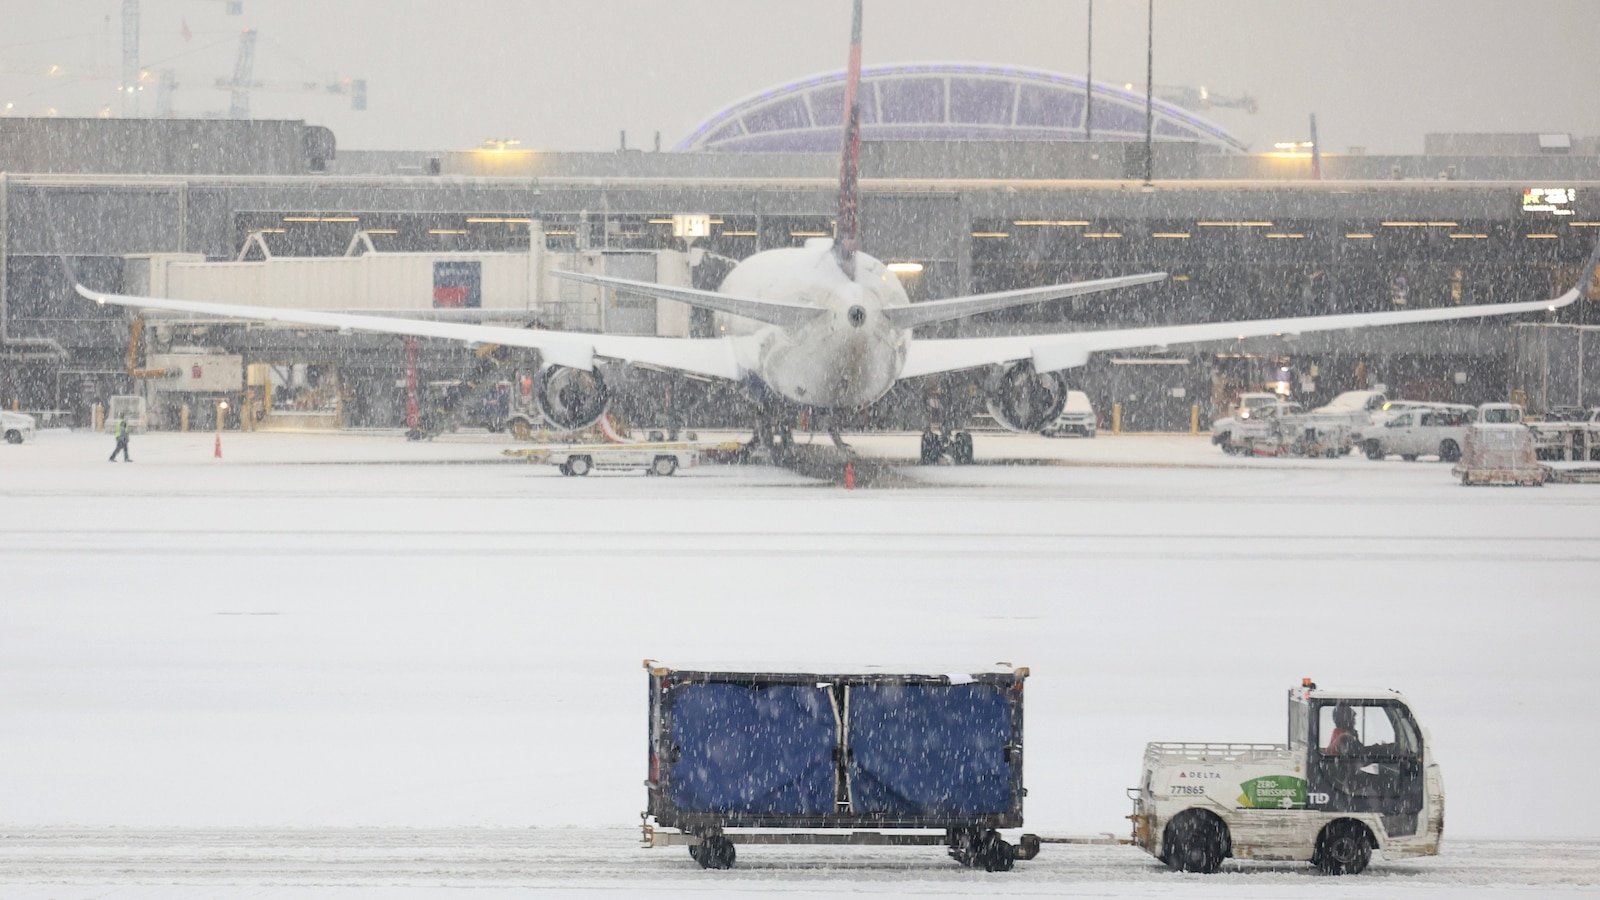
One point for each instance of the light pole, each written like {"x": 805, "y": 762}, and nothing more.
{"x": 1149, "y": 90}
{"x": 1088, "y": 80}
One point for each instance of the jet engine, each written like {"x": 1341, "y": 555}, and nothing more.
{"x": 570, "y": 398}
{"x": 1024, "y": 400}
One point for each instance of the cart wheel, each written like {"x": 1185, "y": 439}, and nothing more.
{"x": 579, "y": 465}
{"x": 994, "y": 854}
{"x": 664, "y": 465}
{"x": 1449, "y": 451}
{"x": 563, "y": 469}
{"x": 716, "y": 852}
{"x": 932, "y": 448}
{"x": 1196, "y": 841}
{"x": 1374, "y": 450}
{"x": 1344, "y": 848}
{"x": 13, "y": 436}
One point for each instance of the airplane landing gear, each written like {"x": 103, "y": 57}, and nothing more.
{"x": 777, "y": 441}
{"x": 955, "y": 444}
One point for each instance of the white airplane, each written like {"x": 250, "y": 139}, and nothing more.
{"x": 828, "y": 328}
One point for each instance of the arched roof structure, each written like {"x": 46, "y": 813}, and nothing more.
{"x": 944, "y": 101}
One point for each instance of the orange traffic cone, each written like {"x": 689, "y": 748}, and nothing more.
{"x": 217, "y": 452}
{"x": 849, "y": 476}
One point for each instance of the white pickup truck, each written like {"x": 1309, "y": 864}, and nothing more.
{"x": 1357, "y": 774}
{"x": 1439, "y": 430}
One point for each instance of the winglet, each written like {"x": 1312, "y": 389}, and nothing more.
{"x": 847, "y": 230}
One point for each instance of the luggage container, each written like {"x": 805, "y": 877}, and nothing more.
{"x": 824, "y": 758}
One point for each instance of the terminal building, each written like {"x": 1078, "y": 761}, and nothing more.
{"x": 975, "y": 178}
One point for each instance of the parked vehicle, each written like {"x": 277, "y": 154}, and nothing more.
{"x": 1077, "y": 417}
{"x": 1421, "y": 431}
{"x": 1356, "y": 774}
{"x": 654, "y": 457}
{"x": 1266, "y": 427}
{"x": 815, "y": 758}
{"x": 17, "y": 427}
{"x": 1250, "y": 400}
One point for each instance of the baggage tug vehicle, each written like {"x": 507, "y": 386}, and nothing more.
{"x": 1356, "y": 775}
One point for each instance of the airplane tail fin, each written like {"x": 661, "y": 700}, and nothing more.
{"x": 847, "y": 230}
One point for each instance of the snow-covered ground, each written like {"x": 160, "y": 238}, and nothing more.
{"x": 328, "y": 645}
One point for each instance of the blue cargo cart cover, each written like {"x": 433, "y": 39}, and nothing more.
{"x": 752, "y": 749}
{"x": 930, "y": 750}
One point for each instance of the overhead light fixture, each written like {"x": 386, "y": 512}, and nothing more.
{"x": 382, "y": 230}
{"x": 1285, "y": 235}
{"x": 1403, "y": 224}
{"x": 442, "y": 231}
{"x": 1467, "y": 236}
{"x": 808, "y": 234}
{"x": 1042, "y": 222}
{"x": 1359, "y": 235}
{"x": 485, "y": 220}
{"x": 1541, "y": 237}
{"x": 729, "y": 232}
{"x": 991, "y": 234}
{"x": 905, "y": 268}
{"x": 1102, "y": 234}
{"x": 1169, "y": 234}
{"x": 1235, "y": 224}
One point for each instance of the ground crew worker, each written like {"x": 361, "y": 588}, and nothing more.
{"x": 122, "y": 440}
{"x": 1344, "y": 740}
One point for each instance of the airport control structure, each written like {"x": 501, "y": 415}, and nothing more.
{"x": 976, "y": 178}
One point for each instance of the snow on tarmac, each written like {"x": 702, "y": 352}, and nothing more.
{"x": 341, "y": 631}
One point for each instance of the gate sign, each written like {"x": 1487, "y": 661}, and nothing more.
{"x": 457, "y": 284}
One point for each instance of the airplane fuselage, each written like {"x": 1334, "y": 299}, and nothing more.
{"x": 846, "y": 359}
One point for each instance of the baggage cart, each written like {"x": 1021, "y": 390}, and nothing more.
{"x": 826, "y": 758}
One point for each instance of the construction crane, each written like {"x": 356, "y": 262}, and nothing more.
{"x": 242, "y": 82}
{"x": 1197, "y": 98}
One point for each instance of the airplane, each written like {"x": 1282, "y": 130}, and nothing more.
{"x": 827, "y": 328}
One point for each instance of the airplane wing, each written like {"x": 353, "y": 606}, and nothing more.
{"x": 712, "y": 357}
{"x": 932, "y": 311}
{"x": 1051, "y": 352}
{"x": 772, "y": 312}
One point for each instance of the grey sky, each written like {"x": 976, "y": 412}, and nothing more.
{"x": 569, "y": 75}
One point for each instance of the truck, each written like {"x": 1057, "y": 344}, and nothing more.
{"x": 1439, "y": 430}
{"x": 757, "y": 757}
{"x": 1355, "y": 774}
